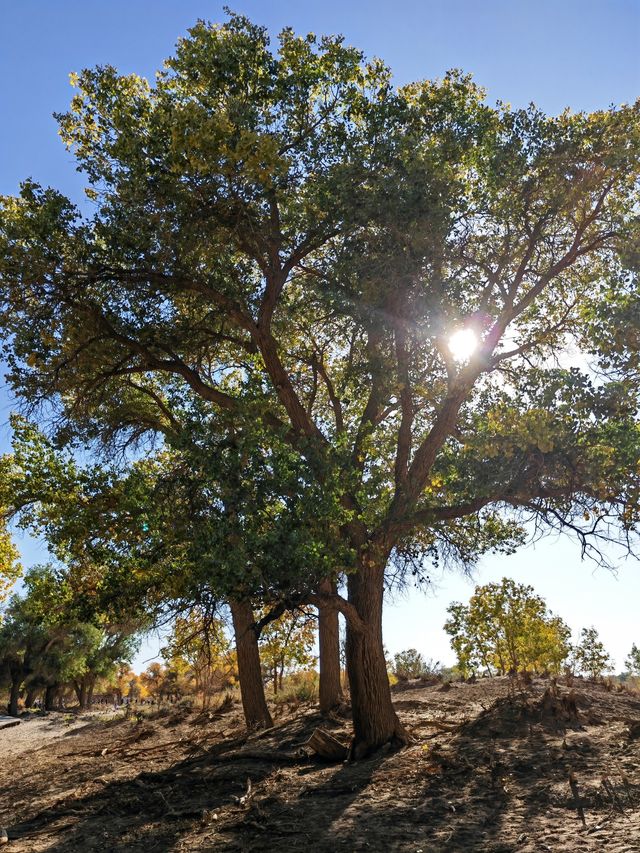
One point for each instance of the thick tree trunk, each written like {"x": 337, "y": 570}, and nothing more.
{"x": 30, "y": 698}
{"x": 81, "y": 693}
{"x": 254, "y": 703}
{"x": 329, "y": 647}
{"x": 14, "y": 695}
{"x": 375, "y": 722}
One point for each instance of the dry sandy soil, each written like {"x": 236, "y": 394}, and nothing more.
{"x": 488, "y": 771}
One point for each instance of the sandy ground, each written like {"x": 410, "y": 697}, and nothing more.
{"x": 35, "y": 732}
{"x": 488, "y": 772}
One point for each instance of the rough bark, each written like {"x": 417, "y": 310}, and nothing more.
{"x": 329, "y": 648}
{"x": 375, "y": 722}
{"x": 254, "y": 703}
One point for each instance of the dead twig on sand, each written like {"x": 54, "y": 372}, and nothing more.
{"x": 615, "y": 800}
{"x": 573, "y": 784}
{"x": 258, "y": 755}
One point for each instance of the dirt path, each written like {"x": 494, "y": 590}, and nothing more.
{"x": 34, "y": 733}
{"x": 488, "y": 773}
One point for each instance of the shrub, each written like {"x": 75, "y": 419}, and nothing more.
{"x": 298, "y": 687}
{"x": 410, "y": 664}
{"x": 451, "y": 673}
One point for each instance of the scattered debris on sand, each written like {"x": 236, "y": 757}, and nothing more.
{"x": 494, "y": 767}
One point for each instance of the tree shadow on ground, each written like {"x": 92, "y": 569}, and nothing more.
{"x": 155, "y": 810}
{"x": 149, "y": 812}
{"x": 477, "y": 790}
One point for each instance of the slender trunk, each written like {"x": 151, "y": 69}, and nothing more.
{"x": 49, "y": 696}
{"x": 275, "y": 680}
{"x": 484, "y": 660}
{"x": 30, "y": 698}
{"x": 254, "y": 703}
{"x": 329, "y": 647}
{"x": 513, "y": 654}
{"x": 16, "y": 681}
{"x": 375, "y": 722}
{"x": 91, "y": 685}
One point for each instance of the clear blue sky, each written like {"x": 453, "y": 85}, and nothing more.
{"x": 578, "y": 53}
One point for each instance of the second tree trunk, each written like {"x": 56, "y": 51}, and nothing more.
{"x": 329, "y": 649}
{"x": 254, "y": 703}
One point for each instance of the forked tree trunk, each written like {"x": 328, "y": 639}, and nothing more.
{"x": 329, "y": 648}
{"x": 375, "y": 722}
{"x": 254, "y": 703}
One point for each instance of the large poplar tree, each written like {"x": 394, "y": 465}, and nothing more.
{"x": 383, "y": 278}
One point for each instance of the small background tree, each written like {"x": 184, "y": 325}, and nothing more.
{"x": 200, "y": 648}
{"x": 632, "y": 663}
{"x": 590, "y": 656}
{"x": 286, "y": 643}
{"x": 152, "y": 681}
{"x": 506, "y": 627}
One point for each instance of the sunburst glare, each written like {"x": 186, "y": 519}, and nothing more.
{"x": 463, "y": 344}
